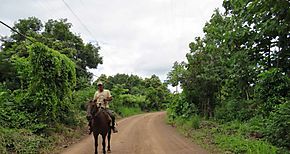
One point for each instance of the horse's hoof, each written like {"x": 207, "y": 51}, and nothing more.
{"x": 109, "y": 151}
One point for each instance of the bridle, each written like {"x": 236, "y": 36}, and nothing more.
{"x": 96, "y": 109}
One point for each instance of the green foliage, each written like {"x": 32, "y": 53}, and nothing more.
{"x": 235, "y": 109}
{"x": 272, "y": 89}
{"x": 56, "y": 34}
{"x": 175, "y": 75}
{"x": 16, "y": 67}
{"x": 23, "y": 69}
{"x": 12, "y": 114}
{"x": 52, "y": 68}
{"x": 38, "y": 83}
{"x": 189, "y": 123}
{"x": 27, "y": 27}
{"x": 179, "y": 107}
{"x": 149, "y": 94}
{"x": 52, "y": 83}
{"x": 20, "y": 141}
{"x": 239, "y": 72}
{"x": 232, "y": 137}
{"x": 128, "y": 111}
{"x": 81, "y": 97}
{"x": 224, "y": 66}
{"x": 238, "y": 144}
{"x": 278, "y": 126}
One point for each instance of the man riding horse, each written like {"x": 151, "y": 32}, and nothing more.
{"x": 103, "y": 97}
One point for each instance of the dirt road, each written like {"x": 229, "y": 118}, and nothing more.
{"x": 142, "y": 134}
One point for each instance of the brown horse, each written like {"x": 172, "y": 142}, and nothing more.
{"x": 100, "y": 125}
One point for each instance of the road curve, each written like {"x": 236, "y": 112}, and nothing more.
{"x": 142, "y": 134}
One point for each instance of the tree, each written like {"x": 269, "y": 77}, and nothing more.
{"x": 53, "y": 80}
{"x": 150, "y": 93}
{"x": 174, "y": 77}
{"x": 56, "y": 34}
{"x": 224, "y": 67}
{"x": 265, "y": 22}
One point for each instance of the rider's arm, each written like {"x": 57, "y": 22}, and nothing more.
{"x": 96, "y": 96}
{"x": 109, "y": 98}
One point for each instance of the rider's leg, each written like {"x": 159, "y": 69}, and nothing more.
{"x": 110, "y": 112}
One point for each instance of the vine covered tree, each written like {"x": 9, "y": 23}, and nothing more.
{"x": 56, "y": 34}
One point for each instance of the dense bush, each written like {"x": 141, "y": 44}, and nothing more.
{"x": 273, "y": 88}
{"x": 239, "y": 144}
{"x": 53, "y": 79}
{"x": 235, "y": 110}
{"x": 179, "y": 107}
{"x": 20, "y": 141}
{"x": 278, "y": 126}
{"x": 81, "y": 97}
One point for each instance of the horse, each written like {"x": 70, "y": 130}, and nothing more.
{"x": 100, "y": 125}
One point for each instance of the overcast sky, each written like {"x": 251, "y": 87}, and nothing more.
{"x": 141, "y": 37}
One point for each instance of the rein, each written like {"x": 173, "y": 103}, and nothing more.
{"x": 96, "y": 110}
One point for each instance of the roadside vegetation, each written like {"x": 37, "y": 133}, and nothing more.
{"x": 44, "y": 86}
{"x": 235, "y": 82}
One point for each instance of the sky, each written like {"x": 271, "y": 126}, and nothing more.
{"x": 141, "y": 37}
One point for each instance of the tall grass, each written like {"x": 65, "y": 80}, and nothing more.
{"x": 20, "y": 141}
{"x": 223, "y": 138}
{"x": 239, "y": 144}
{"x": 128, "y": 111}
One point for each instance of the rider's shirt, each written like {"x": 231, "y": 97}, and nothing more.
{"x": 101, "y": 96}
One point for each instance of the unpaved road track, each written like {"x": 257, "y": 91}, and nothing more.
{"x": 142, "y": 134}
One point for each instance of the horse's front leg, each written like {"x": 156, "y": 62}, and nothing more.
{"x": 96, "y": 142}
{"x": 104, "y": 143}
{"x": 109, "y": 140}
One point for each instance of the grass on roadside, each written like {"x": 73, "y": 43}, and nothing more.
{"x": 127, "y": 111}
{"x": 222, "y": 138}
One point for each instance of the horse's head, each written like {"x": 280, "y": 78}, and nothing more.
{"x": 94, "y": 107}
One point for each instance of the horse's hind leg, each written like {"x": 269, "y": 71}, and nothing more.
{"x": 104, "y": 143}
{"x": 109, "y": 140}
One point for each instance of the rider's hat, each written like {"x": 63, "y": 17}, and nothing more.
{"x": 100, "y": 83}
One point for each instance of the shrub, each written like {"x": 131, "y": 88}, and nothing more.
{"x": 272, "y": 89}
{"x": 278, "y": 126}
{"x": 233, "y": 109}
{"x": 238, "y": 144}
{"x": 195, "y": 122}
{"x": 20, "y": 141}
{"x": 81, "y": 97}
{"x": 53, "y": 79}
{"x": 128, "y": 111}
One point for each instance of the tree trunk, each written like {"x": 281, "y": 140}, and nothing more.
{"x": 247, "y": 94}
